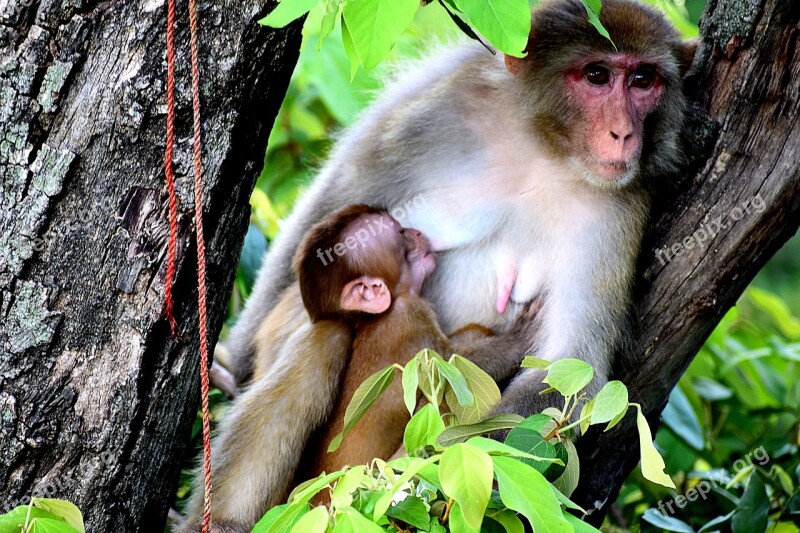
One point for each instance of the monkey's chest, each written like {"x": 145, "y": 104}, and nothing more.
{"x": 491, "y": 282}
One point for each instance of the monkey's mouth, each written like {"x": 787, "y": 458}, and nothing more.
{"x": 614, "y": 168}
{"x": 613, "y": 173}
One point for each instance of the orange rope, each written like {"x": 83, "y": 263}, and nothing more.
{"x": 173, "y": 235}
{"x": 173, "y": 199}
{"x": 201, "y": 268}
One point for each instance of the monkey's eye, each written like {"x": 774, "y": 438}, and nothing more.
{"x": 642, "y": 79}
{"x": 597, "y": 75}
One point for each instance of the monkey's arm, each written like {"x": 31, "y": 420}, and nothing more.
{"x": 500, "y": 356}
{"x": 260, "y": 440}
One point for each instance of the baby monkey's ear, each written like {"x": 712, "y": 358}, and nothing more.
{"x": 366, "y": 294}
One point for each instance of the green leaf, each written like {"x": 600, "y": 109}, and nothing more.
{"x": 47, "y": 516}
{"x": 586, "y": 416}
{"x": 351, "y": 521}
{"x": 466, "y": 476}
{"x": 410, "y": 384}
{"x": 504, "y": 23}
{"x": 610, "y": 402}
{"x": 366, "y": 394}
{"x": 785, "y": 480}
{"x": 458, "y": 521}
{"x": 288, "y": 11}
{"x": 539, "y": 422}
{"x": 566, "y": 502}
{"x": 712, "y": 525}
{"x": 752, "y": 512}
{"x": 423, "y": 429}
{"x": 492, "y": 447}
{"x": 456, "y": 381}
{"x": 375, "y": 25}
{"x": 431, "y": 475}
{"x": 568, "y": 481}
{"x": 569, "y": 376}
{"x": 255, "y": 246}
{"x": 365, "y": 501}
{"x": 616, "y": 420}
{"x": 350, "y": 49}
{"x": 579, "y": 525}
{"x": 414, "y": 467}
{"x": 667, "y": 523}
{"x": 331, "y": 13}
{"x": 461, "y": 433}
{"x": 778, "y": 310}
{"x": 535, "y": 363}
{"x": 13, "y": 521}
{"x": 412, "y": 511}
{"x": 342, "y": 495}
{"x": 68, "y": 512}
{"x": 305, "y": 491}
{"x": 509, "y": 520}
{"x": 652, "y": 462}
{"x": 481, "y": 385}
{"x": 314, "y": 521}
{"x": 711, "y": 390}
{"x": 681, "y": 418}
{"x": 49, "y": 525}
{"x": 740, "y": 476}
{"x": 593, "y": 10}
{"x": 526, "y": 491}
{"x": 280, "y": 518}
{"x": 531, "y": 441}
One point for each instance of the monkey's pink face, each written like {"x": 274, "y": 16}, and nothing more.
{"x": 409, "y": 247}
{"x": 614, "y": 94}
{"x": 419, "y": 258}
{"x": 419, "y": 262}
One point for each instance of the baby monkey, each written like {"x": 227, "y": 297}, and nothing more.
{"x": 360, "y": 275}
{"x": 360, "y": 267}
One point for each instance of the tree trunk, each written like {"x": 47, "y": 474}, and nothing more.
{"x": 748, "y": 83}
{"x": 96, "y": 398}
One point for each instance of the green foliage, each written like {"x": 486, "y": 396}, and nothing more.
{"x": 684, "y": 14}
{"x": 371, "y": 28}
{"x": 446, "y": 482}
{"x": 731, "y": 431}
{"x": 43, "y": 515}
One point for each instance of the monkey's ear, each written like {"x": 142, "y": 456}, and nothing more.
{"x": 686, "y": 53}
{"x": 515, "y": 65}
{"x": 366, "y": 294}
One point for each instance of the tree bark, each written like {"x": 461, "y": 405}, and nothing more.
{"x": 96, "y": 397}
{"x": 745, "y": 93}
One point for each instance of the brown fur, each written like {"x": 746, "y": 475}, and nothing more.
{"x": 397, "y": 336}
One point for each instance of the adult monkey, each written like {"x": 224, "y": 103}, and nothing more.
{"x": 534, "y": 174}
{"x": 533, "y": 170}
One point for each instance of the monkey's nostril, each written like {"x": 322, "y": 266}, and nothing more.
{"x": 625, "y": 138}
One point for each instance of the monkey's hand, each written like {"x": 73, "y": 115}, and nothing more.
{"x": 222, "y": 379}
{"x": 499, "y": 356}
{"x": 470, "y": 333}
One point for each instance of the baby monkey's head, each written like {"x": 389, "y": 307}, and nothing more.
{"x": 356, "y": 260}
